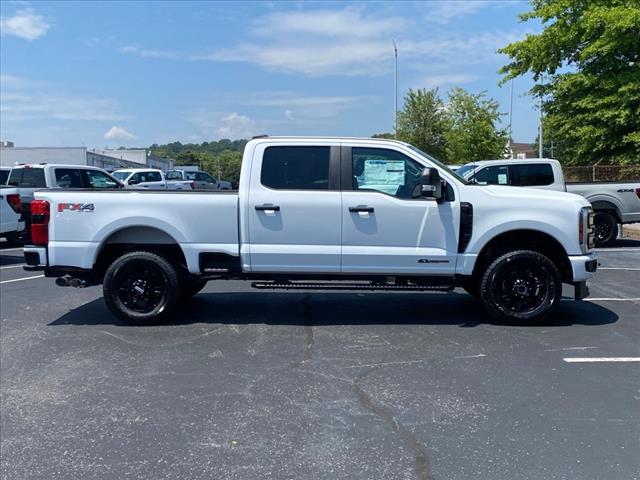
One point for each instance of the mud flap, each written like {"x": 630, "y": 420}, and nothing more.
{"x": 581, "y": 290}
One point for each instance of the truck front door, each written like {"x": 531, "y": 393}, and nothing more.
{"x": 294, "y": 209}
{"x": 387, "y": 226}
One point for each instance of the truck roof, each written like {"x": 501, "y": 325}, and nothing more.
{"x": 512, "y": 161}
{"x": 54, "y": 165}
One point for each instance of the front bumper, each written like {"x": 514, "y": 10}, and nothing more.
{"x": 583, "y": 266}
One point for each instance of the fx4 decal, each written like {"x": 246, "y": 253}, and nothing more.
{"x": 75, "y": 207}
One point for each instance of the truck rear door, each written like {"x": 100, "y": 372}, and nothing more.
{"x": 294, "y": 208}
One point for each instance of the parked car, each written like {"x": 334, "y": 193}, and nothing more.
{"x": 322, "y": 213}
{"x": 201, "y": 180}
{"x": 150, "y": 179}
{"x": 613, "y": 202}
{"x": 11, "y": 223}
{"x": 4, "y": 175}
{"x": 29, "y": 178}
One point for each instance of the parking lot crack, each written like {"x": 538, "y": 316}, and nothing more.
{"x": 422, "y": 465}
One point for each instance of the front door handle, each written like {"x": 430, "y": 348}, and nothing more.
{"x": 361, "y": 208}
{"x": 268, "y": 206}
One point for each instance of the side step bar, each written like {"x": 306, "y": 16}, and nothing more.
{"x": 348, "y": 286}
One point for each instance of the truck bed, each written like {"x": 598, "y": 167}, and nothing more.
{"x": 84, "y": 220}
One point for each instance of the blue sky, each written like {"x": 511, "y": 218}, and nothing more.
{"x": 137, "y": 73}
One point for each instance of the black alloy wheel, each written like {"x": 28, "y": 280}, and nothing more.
{"x": 521, "y": 286}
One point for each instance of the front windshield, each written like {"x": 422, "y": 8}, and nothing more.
{"x": 465, "y": 169}
{"x": 440, "y": 165}
{"x": 122, "y": 176}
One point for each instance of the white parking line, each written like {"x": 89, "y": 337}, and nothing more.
{"x": 619, "y": 250}
{"x": 21, "y": 279}
{"x": 600, "y": 359}
{"x": 618, "y": 268}
{"x": 612, "y": 299}
{"x": 13, "y": 266}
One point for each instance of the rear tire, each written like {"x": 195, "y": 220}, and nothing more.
{"x": 141, "y": 288}
{"x": 606, "y": 229}
{"x": 521, "y": 287}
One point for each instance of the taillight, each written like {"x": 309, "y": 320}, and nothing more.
{"x": 14, "y": 202}
{"x": 40, "y": 222}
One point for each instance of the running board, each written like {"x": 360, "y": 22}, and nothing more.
{"x": 348, "y": 286}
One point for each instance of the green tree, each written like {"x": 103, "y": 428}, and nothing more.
{"x": 471, "y": 133}
{"x": 588, "y": 55}
{"x": 423, "y": 122}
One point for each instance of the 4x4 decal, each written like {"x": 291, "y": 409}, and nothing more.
{"x": 76, "y": 207}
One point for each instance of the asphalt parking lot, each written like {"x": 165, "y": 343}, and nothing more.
{"x": 320, "y": 385}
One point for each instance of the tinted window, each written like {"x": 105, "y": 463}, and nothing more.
{"x": 386, "y": 171}
{"x": 204, "y": 177}
{"x": 190, "y": 175}
{"x": 296, "y": 168}
{"x": 27, "y": 178}
{"x": 4, "y": 175}
{"x": 529, "y": 174}
{"x": 147, "y": 177}
{"x": 99, "y": 179}
{"x": 122, "y": 176}
{"x": 69, "y": 178}
{"x": 173, "y": 175}
{"x": 494, "y": 175}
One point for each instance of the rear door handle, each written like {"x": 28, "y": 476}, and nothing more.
{"x": 361, "y": 208}
{"x": 267, "y": 206}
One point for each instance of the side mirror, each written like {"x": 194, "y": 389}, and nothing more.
{"x": 431, "y": 185}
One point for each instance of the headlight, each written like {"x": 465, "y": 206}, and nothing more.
{"x": 586, "y": 229}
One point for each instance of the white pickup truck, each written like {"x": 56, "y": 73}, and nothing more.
{"x": 321, "y": 213}
{"x": 150, "y": 179}
{"x": 11, "y": 223}
{"x": 613, "y": 202}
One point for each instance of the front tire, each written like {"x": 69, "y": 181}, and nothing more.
{"x": 141, "y": 288}
{"x": 520, "y": 287}
{"x": 606, "y": 229}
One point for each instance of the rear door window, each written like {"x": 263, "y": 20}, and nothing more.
{"x": 27, "y": 178}
{"x": 296, "y": 168}
{"x": 531, "y": 174}
{"x": 142, "y": 177}
{"x": 69, "y": 178}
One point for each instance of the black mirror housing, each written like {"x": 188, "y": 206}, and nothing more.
{"x": 431, "y": 185}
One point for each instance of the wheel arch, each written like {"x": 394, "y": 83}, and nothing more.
{"x": 607, "y": 206}
{"x": 138, "y": 237}
{"x": 528, "y": 239}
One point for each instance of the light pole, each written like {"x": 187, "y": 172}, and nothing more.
{"x": 540, "y": 132}
{"x": 511, "y": 121}
{"x": 395, "y": 92}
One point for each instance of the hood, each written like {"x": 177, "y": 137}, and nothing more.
{"x": 534, "y": 194}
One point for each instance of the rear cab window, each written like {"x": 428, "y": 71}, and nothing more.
{"x": 296, "y": 167}
{"x": 27, "y": 178}
{"x": 531, "y": 174}
{"x": 492, "y": 175}
{"x": 173, "y": 175}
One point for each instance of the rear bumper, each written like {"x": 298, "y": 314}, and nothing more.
{"x": 35, "y": 257}
{"x": 583, "y": 266}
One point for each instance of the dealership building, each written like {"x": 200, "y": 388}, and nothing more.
{"x": 106, "y": 159}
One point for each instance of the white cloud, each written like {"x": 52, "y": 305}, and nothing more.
{"x": 25, "y": 24}
{"x": 288, "y": 114}
{"x": 349, "y": 22}
{"x": 348, "y": 42}
{"x": 235, "y": 126}
{"x": 25, "y": 100}
{"x": 432, "y": 81}
{"x": 307, "y": 106}
{"x": 116, "y": 132}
